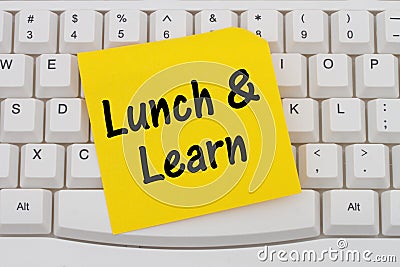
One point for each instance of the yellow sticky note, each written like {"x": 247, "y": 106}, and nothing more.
{"x": 186, "y": 127}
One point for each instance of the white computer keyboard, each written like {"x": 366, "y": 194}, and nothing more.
{"x": 337, "y": 66}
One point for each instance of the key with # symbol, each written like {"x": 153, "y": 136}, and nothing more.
{"x": 35, "y": 32}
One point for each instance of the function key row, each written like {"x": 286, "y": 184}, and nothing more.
{"x": 306, "y": 31}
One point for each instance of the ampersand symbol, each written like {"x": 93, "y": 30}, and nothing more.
{"x": 213, "y": 18}
{"x": 237, "y": 89}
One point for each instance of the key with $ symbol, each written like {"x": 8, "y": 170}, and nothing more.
{"x": 80, "y": 30}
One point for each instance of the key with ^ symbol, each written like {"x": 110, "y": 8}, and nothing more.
{"x": 167, "y": 24}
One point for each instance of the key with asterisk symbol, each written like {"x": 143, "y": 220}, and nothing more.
{"x": 267, "y": 24}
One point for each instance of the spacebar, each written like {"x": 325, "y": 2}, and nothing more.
{"x": 82, "y": 214}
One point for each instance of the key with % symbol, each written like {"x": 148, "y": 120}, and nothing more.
{"x": 122, "y": 18}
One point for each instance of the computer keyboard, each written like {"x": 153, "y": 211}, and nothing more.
{"x": 337, "y": 67}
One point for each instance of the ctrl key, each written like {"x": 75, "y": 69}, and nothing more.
{"x": 25, "y": 211}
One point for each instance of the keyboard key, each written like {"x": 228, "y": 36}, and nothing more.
{"x": 388, "y": 32}
{"x": 302, "y": 119}
{"x": 66, "y": 120}
{"x": 124, "y": 27}
{"x": 320, "y": 166}
{"x": 396, "y": 166}
{"x": 211, "y": 20}
{"x": 330, "y": 76}
{"x": 383, "y": 122}
{"x": 82, "y": 214}
{"x": 291, "y": 74}
{"x": 57, "y": 76}
{"x": 294, "y": 154}
{"x": 343, "y": 120}
{"x": 352, "y": 32}
{"x": 16, "y": 76}
{"x": 167, "y": 24}
{"x": 80, "y": 31}
{"x": 35, "y": 32}
{"x": 367, "y": 166}
{"x": 267, "y": 24}
{"x": 350, "y": 212}
{"x": 390, "y": 205}
{"x": 307, "y": 32}
{"x": 82, "y": 167}
{"x": 82, "y": 94}
{"x": 377, "y": 76}
{"x": 91, "y": 135}
{"x": 25, "y": 211}
{"x": 9, "y": 158}
{"x": 5, "y": 32}
{"x": 21, "y": 120}
{"x": 42, "y": 166}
